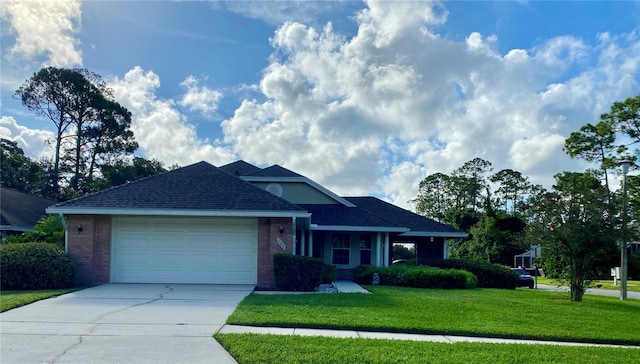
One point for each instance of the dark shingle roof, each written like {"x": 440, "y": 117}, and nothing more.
{"x": 239, "y": 168}
{"x": 275, "y": 171}
{"x": 340, "y": 215}
{"x": 200, "y": 186}
{"x": 20, "y": 209}
{"x": 400, "y": 216}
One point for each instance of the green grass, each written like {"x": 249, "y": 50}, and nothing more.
{"x": 525, "y": 314}
{"x": 13, "y": 299}
{"x": 252, "y": 348}
{"x": 632, "y": 285}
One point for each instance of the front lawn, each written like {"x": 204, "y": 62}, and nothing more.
{"x": 264, "y": 349}
{"x": 13, "y": 299}
{"x": 523, "y": 314}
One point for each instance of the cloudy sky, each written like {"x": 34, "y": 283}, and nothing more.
{"x": 362, "y": 97}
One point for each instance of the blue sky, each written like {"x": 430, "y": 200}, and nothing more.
{"x": 363, "y": 97}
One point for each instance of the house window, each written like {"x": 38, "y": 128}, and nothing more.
{"x": 365, "y": 249}
{"x": 340, "y": 248}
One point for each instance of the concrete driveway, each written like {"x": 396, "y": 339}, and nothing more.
{"x": 122, "y": 323}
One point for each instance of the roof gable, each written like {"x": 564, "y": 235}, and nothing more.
{"x": 239, "y": 168}
{"x": 275, "y": 171}
{"x": 199, "y": 187}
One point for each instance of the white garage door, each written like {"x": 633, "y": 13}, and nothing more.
{"x": 184, "y": 250}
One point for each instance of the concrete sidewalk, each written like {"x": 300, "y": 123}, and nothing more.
{"x": 236, "y": 329}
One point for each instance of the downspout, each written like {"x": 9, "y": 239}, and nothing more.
{"x": 449, "y": 246}
{"x": 66, "y": 232}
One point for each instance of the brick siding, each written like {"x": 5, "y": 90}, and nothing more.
{"x": 268, "y": 234}
{"x": 91, "y": 247}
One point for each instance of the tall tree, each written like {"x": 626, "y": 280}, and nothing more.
{"x": 51, "y": 93}
{"x": 79, "y": 98}
{"x": 434, "y": 196}
{"x": 472, "y": 181}
{"x": 512, "y": 188}
{"x": 595, "y": 143}
{"x": 574, "y": 226}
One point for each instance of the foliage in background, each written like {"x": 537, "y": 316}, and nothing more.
{"x": 48, "y": 229}
{"x": 35, "y": 266}
{"x": 20, "y": 172}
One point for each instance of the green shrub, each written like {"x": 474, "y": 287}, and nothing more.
{"x": 419, "y": 277}
{"x": 35, "y": 266}
{"x": 328, "y": 273}
{"x": 297, "y": 273}
{"x": 391, "y": 276}
{"x": 489, "y": 275}
{"x": 426, "y": 277}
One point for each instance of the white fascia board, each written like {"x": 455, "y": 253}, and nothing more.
{"x": 306, "y": 180}
{"x": 389, "y": 229}
{"x": 16, "y": 228}
{"x": 175, "y": 212}
{"x": 435, "y": 234}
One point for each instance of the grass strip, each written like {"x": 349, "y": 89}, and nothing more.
{"x": 524, "y": 314}
{"x": 632, "y": 285}
{"x": 319, "y": 350}
{"x": 13, "y": 299}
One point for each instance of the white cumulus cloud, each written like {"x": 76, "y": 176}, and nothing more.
{"x": 34, "y": 142}
{"x": 161, "y": 130}
{"x": 199, "y": 98}
{"x": 377, "y": 112}
{"x": 44, "y": 28}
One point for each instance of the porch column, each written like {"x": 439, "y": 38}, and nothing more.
{"x": 386, "y": 249}
{"x": 378, "y": 249}
{"x": 293, "y": 233}
{"x": 310, "y": 243}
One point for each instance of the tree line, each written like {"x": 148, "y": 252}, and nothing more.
{"x": 578, "y": 222}
{"x": 93, "y": 142}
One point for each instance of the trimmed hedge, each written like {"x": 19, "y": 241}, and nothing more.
{"x": 35, "y": 266}
{"x": 418, "y": 277}
{"x": 489, "y": 275}
{"x": 300, "y": 273}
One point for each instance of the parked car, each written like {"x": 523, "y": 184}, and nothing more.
{"x": 400, "y": 261}
{"x": 525, "y": 280}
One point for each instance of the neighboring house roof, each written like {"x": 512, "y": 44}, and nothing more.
{"x": 419, "y": 225}
{"x": 240, "y": 168}
{"x": 340, "y": 217}
{"x": 200, "y": 189}
{"x": 21, "y": 211}
{"x": 274, "y": 171}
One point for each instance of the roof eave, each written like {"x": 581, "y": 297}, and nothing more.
{"x": 389, "y": 229}
{"x": 174, "y": 212}
{"x": 437, "y": 234}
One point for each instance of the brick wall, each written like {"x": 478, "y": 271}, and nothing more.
{"x": 91, "y": 247}
{"x": 268, "y": 234}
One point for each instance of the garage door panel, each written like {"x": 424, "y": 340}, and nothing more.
{"x": 204, "y": 250}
